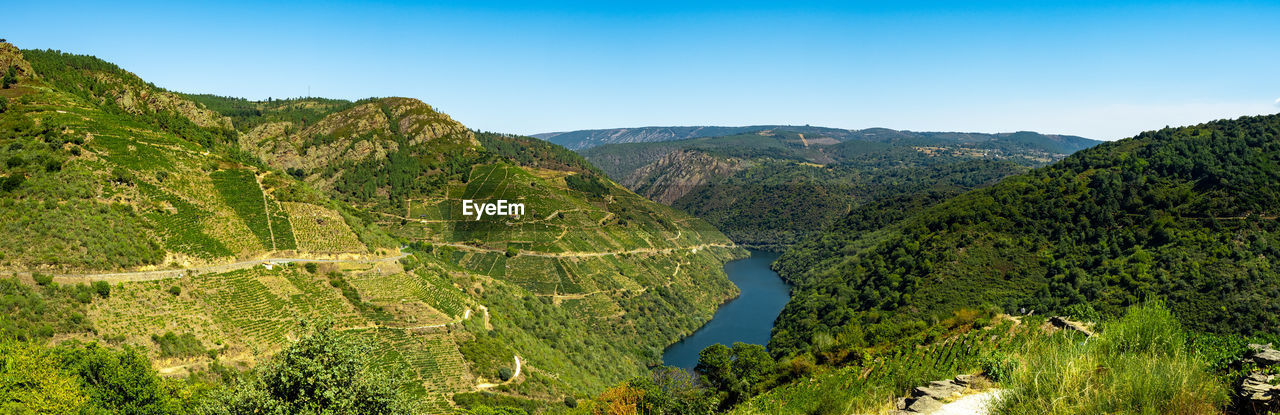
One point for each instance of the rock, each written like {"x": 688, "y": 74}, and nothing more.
{"x": 1264, "y": 355}
{"x": 1063, "y": 323}
{"x": 965, "y": 380}
{"x": 924, "y": 405}
{"x": 1257, "y": 387}
{"x": 939, "y": 389}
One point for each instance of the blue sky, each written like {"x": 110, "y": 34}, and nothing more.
{"x": 1103, "y": 70}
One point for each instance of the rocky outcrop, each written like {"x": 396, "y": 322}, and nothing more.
{"x": 1064, "y": 324}
{"x": 1259, "y": 392}
{"x": 929, "y": 398}
{"x": 371, "y": 130}
{"x": 11, "y": 56}
{"x": 673, "y": 175}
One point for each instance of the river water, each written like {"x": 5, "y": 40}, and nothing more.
{"x": 748, "y": 318}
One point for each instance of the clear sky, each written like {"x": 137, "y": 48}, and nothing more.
{"x": 1101, "y": 69}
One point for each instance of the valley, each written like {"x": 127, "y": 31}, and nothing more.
{"x": 772, "y": 187}
{"x": 172, "y": 252}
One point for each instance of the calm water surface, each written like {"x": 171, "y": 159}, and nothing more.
{"x": 747, "y": 318}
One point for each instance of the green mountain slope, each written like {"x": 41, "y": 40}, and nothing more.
{"x": 94, "y": 154}
{"x": 773, "y": 188}
{"x": 197, "y": 213}
{"x": 1187, "y": 215}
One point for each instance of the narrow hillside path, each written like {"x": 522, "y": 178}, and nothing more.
{"x": 215, "y": 268}
{"x": 975, "y": 404}
{"x": 265, "y": 210}
{"x": 693, "y": 248}
{"x": 514, "y": 375}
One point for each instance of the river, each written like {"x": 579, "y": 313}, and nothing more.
{"x": 748, "y": 318}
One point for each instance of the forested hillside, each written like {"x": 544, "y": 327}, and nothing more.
{"x": 1187, "y": 215}
{"x": 773, "y": 188}
{"x": 191, "y": 234}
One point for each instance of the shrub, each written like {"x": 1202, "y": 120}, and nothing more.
{"x": 42, "y": 279}
{"x": 311, "y": 267}
{"x": 505, "y": 374}
{"x": 102, "y": 288}
{"x": 320, "y": 373}
{"x": 175, "y": 290}
{"x": 999, "y": 366}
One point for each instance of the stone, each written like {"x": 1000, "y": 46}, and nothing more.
{"x": 1264, "y": 355}
{"x": 1257, "y": 387}
{"x": 924, "y": 405}
{"x": 965, "y": 380}
{"x": 939, "y": 389}
{"x": 1063, "y": 323}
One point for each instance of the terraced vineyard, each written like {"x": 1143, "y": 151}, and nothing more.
{"x": 586, "y": 286}
{"x": 240, "y": 190}
{"x": 430, "y": 364}
{"x": 320, "y": 229}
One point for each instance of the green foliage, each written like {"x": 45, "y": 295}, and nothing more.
{"x": 38, "y": 313}
{"x": 118, "y": 381}
{"x": 1124, "y": 371}
{"x": 769, "y": 189}
{"x": 670, "y": 390}
{"x": 740, "y": 372}
{"x": 1185, "y": 215}
{"x": 322, "y": 373}
{"x": 102, "y": 288}
{"x": 489, "y": 355}
{"x": 172, "y": 345}
{"x": 10, "y": 78}
{"x": 32, "y": 381}
{"x": 590, "y": 185}
{"x": 100, "y": 82}
{"x": 246, "y": 114}
{"x": 532, "y": 152}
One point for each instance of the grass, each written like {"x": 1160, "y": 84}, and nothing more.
{"x": 1140, "y": 364}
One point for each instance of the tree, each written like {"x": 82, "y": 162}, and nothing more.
{"x": 118, "y": 381}
{"x": 740, "y": 371}
{"x": 32, "y": 382}
{"x": 10, "y": 77}
{"x": 715, "y": 364}
{"x": 324, "y": 372}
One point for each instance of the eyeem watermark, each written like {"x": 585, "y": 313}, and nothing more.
{"x": 502, "y": 208}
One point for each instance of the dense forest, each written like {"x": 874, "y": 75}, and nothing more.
{"x": 1187, "y": 215}
{"x": 771, "y": 189}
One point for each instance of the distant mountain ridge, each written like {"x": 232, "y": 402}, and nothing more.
{"x": 584, "y": 139}
{"x": 770, "y": 188}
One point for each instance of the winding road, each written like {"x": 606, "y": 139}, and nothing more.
{"x": 216, "y": 268}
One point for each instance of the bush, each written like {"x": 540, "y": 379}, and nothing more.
{"x": 999, "y": 366}
{"x": 322, "y": 373}
{"x": 172, "y": 345}
{"x": 102, "y": 288}
{"x": 175, "y": 290}
{"x": 311, "y": 267}
{"x": 505, "y": 374}
{"x": 42, "y": 279}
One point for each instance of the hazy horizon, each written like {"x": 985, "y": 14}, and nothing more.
{"x": 1101, "y": 70}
